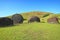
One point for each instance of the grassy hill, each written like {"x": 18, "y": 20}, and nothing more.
{"x": 27, "y": 15}
{"x": 32, "y": 31}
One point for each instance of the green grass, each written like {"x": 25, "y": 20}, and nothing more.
{"x": 31, "y": 31}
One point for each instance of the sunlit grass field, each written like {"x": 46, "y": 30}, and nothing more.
{"x": 31, "y": 31}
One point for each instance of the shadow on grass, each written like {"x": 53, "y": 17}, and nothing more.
{"x": 7, "y": 26}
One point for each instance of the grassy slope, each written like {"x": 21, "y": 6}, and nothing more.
{"x": 28, "y": 15}
{"x": 33, "y": 31}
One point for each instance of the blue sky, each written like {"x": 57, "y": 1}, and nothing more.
{"x": 10, "y": 7}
